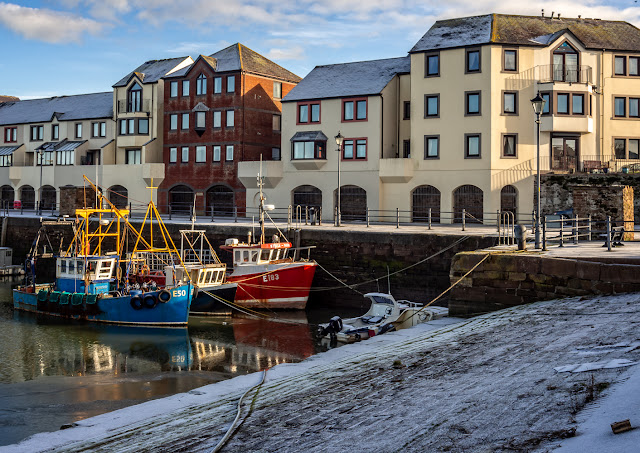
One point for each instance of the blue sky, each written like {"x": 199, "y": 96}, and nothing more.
{"x": 56, "y": 47}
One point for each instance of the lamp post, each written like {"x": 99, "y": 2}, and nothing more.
{"x": 339, "y": 140}
{"x": 41, "y": 155}
{"x": 538, "y": 104}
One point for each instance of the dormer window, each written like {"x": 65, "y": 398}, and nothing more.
{"x": 565, "y": 63}
{"x": 134, "y": 98}
{"x": 201, "y": 85}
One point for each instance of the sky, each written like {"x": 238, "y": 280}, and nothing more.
{"x": 64, "y": 47}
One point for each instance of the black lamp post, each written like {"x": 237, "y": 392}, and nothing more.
{"x": 339, "y": 139}
{"x": 538, "y": 105}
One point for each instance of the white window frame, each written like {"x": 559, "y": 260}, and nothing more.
{"x": 173, "y": 155}
{"x": 230, "y": 119}
{"x": 184, "y": 154}
{"x": 217, "y": 151}
{"x": 228, "y": 155}
{"x": 201, "y": 153}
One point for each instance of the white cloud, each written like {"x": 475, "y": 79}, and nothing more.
{"x": 46, "y": 25}
{"x": 198, "y": 48}
{"x": 290, "y": 53}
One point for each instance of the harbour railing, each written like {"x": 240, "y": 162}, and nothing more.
{"x": 559, "y": 230}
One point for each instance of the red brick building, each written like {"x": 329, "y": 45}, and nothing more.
{"x": 223, "y": 109}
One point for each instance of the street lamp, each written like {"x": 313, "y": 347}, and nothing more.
{"x": 538, "y": 105}
{"x": 41, "y": 155}
{"x": 339, "y": 140}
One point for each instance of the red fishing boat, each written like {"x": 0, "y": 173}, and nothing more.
{"x": 270, "y": 274}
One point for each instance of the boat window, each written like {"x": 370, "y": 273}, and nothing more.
{"x": 218, "y": 276}
{"x": 201, "y": 279}
{"x": 63, "y": 266}
{"x": 92, "y": 266}
{"x": 208, "y": 278}
{"x": 71, "y": 269}
{"x": 79, "y": 267}
{"x": 382, "y": 300}
{"x": 105, "y": 266}
{"x": 265, "y": 255}
{"x": 237, "y": 256}
{"x": 245, "y": 256}
{"x": 254, "y": 255}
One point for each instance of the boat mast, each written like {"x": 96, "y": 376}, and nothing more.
{"x": 261, "y": 205}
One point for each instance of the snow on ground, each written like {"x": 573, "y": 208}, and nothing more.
{"x": 484, "y": 384}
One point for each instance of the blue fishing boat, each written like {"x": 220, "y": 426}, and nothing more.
{"x": 96, "y": 285}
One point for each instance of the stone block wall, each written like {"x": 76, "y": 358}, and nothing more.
{"x": 72, "y": 198}
{"x": 615, "y": 201}
{"x": 507, "y": 279}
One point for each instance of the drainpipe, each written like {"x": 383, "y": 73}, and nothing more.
{"x": 602, "y": 104}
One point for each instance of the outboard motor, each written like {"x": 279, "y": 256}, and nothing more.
{"x": 333, "y": 327}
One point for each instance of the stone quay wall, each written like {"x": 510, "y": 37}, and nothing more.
{"x": 353, "y": 257}
{"x": 506, "y": 279}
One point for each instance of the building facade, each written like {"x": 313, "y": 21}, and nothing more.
{"x": 220, "y": 111}
{"x": 363, "y": 102}
{"x": 50, "y": 143}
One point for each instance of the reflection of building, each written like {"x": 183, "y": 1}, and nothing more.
{"x": 221, "y": 110}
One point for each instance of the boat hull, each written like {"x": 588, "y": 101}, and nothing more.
{"x": 115, "y": 310}
{"x": 204, "y": 303}
{"x": 284, "y": 286}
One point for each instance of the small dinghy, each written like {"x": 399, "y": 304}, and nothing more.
{"x": 384, "y": 315}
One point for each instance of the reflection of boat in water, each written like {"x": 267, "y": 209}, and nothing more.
{"x": 384, "y": 314}
{"x": 253, "y": 345}
{"x": 89, "y": 284}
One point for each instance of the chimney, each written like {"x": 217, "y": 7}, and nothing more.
{"x": 552, "y": 12}
{"x": 558, "y": 15}
{"x": 542, "y": 12}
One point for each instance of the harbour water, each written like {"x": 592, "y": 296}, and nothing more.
{"x": 55, "y": 372}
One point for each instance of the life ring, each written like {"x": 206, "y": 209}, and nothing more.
{"x": 150, "y": 300}
{"x": 164, "y": 296}
{"x": 136, "y": 302}
{"x": 145, "y": 270}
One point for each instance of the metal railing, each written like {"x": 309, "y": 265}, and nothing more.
{"x": 564, "y": 73}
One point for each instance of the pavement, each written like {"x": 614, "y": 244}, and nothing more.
{"x": 520, "y": 379}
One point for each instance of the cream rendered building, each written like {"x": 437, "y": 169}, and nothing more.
{"x": 66, "y": 134}
{"x": 472, "y": 80}
{"x": 138, "y": 106}
{"x": 363, "y": 101}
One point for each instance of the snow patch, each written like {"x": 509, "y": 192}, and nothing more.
{"x": 592, "y": 366}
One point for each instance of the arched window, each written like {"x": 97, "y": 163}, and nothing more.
{"x": 134, "y": 98}
{"x": 307, "y": 196}
{"x": 469, "y": 198}
{"x": 509, "y": 200}
{"x": 425, "y": 198}
{"x": 6, "y": 196}
{"x": 181, "y": 199}
{"x": 353, "y": 203}
{"x": 47, "y": 198}
{"x": 201, "y": 84}
{"x": 28, "y": 197}
{"x": 119, "y": 196}
{"x": 565, "y": 63}
{"x": 220, "y": 198}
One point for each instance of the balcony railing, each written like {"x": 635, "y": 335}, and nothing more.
{"x": 564, "y": 73}
{"x": 145, "y": 107}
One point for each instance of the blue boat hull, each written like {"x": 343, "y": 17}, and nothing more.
{"x": 117, "y": 310}
{"x": 203, "y": 303}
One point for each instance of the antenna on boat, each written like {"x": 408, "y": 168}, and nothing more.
{"x": 388, "y": 282}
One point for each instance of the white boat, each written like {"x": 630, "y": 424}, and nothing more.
{"x": 384, "y": 315}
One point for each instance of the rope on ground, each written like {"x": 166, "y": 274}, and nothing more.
{"x": 233, "y": 426}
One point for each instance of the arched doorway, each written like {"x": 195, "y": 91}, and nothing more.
{"x": 221, "y": 199}
{"x": 119, "y": 197}
{"x": 470, "y": 198}
{"x": 424, "y": 198}
{"x": 28, "y": 197}
{"x": 6, "y": 196}
{"x": 509, "y": 200}
{"x": 181, "y": 199}
{"x": 47, "y": 198}
{"x": 307, "y": 196}
{"x": 353, "y": 203}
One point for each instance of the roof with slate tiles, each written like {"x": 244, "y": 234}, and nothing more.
{"x": 527, "y": 30}
{"x": 151, "y": 71}
{"x": 360, "y": 78}
{"x": 238, "y": 57}
{"x": 65, "y": 108}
